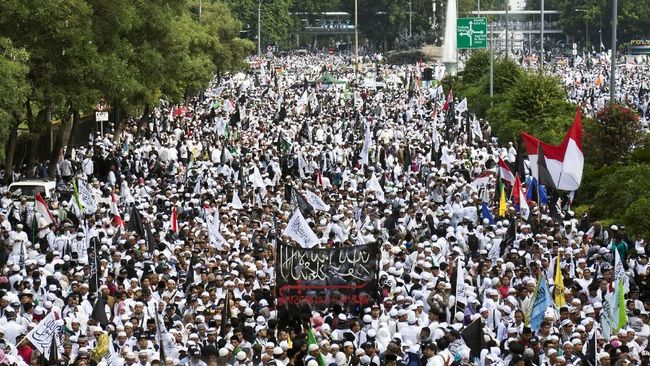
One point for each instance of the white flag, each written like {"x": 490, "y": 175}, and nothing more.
{"x": 298, "y": 229}
{"x": 258, "y": 181}
{"x": 316, "y": 202}
{"x": 216, "y": 238}
{"x": 607, "y": 315}
{"x": 373, "y": 185}
{"x": 462, "y": 106}
{"x": 476, "y": 129}
{"x": 41, "y": 335}
{"x": 367, "y": 143}
{"x": 460, "y": 283}
{"x": 236, "y": 202}
{"x": 495, "y": 251}
{"x": 619, "y": 271}
{"x": 86, "y": 197}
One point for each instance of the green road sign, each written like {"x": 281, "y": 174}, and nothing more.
{"x": 471, "y": 33}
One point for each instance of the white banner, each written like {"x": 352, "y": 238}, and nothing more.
{"x": 462, "y": 106}
{"x": 619, "y": 271}
{"x": 298, "y": 229}
{"x": 41, "y": 335}
{"x": 316, "y": 202}
{"x": 213, "y": 231}
{"x": 236, "y": 202}
{"x": 373, "y": 185}
{"x": 460, "y": 283}
{"x": 86, "y": 197}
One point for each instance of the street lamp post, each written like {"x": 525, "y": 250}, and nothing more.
{"x": 586, "y": 25}
{"x": 507, "y": 20}
{"x": 259, "y": 28}
{"x": 612, "y": 76}
{"x": 541, "y": 38}
{"x": 356, "y": 35}
{"x": 410, "y": 20}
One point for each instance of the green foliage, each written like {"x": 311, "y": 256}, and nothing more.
{"x": 633, "y": 19}
{"x": 612, "y": 135}
{"x": 636, "y": 217}
{"x": 129, "y": 51}
{"x": 535, "y": 104}
{"x": 14, "y": 87}
{"x": 622, "y": 195}
{"x": 276, "y": 20}
{"x": 523, "y": 100}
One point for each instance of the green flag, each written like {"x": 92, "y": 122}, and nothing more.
{"x": 311, "y": 339}
{"x": 79, "y": 207}
{"x": 621, "y": 311}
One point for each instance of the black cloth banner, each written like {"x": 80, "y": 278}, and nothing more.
{"x": 323, "y": 278}
{"x": 299, "y": 201}
{"x": 93, "y": 261}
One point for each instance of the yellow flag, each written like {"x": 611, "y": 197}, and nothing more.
{"x": 502, "y": 201}
{"x": 101, "y": 350}
{"x": 558, "y": 291}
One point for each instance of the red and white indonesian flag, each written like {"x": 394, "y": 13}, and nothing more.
{"x": 505, "y": 172}
{"x": 117, "y": 219}
{"x": 482, "y": 179}
{"x": 43, "y": 210}
{"x": 519, "y": 199}
{"x": 564, "y": 162}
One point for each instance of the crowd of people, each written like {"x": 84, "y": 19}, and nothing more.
{"x": 171, "y": 290}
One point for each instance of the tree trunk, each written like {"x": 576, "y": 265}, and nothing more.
{"x": 144, "y": 120}
{"x": 75, "y": 122}
{"x": 11, "y": 151}
{"x": 56, "y": 150}
{"x": 119, "y": 124}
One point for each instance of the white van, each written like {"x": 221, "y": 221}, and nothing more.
{"x": 28, "y": 189}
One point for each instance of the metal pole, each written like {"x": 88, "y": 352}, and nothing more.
{"x": 410, "y": 20}
{"x": 491, "y": 64}
{"x": 200, "y": 9}
{"x": 259, "y": 28}
{"x": 433, "y": 14}
{"x": 541, "y": 38}
{"x": 507, "y": 18}
{"x": 612, "y": 81}
{"x": 478, "y": 10}
{"x": 356, "y": 34}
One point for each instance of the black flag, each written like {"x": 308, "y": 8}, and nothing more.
{"x": 54, "y": 352}
{"x": 135, "y": 222}
{"x": 473, "y": 337}
{"x": 93, "y": 284}
{"x": 591, "y": 355}
{"x": 544, "y": 178}
{"x": 304, "y": 132}
{"x": 300, "y": 202}
{"x": 225, "y": 315}
{"x": 407, "y": 158}
{"x": 99, "y": 312}
{"x": 555, "y": 205}
{"x": 189, "y": 280}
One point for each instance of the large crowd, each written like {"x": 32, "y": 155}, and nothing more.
{"x": 174, "y": 293}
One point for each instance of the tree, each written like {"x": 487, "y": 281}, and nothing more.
{"x": 633, "y": 19}
{"x": 14, "y": 90}
{"x": 276, "y": 20}
{"x": 623, "y": 194}
{"x": 612, "y": 135}
{"x": 536, "y": 104}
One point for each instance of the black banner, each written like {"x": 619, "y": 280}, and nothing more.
{"x": 322, "y": 278}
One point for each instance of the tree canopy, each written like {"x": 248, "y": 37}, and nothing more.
{"x": 63, "y": 55}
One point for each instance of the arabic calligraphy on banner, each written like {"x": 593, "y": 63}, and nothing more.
{"x": 321, "y": 277}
